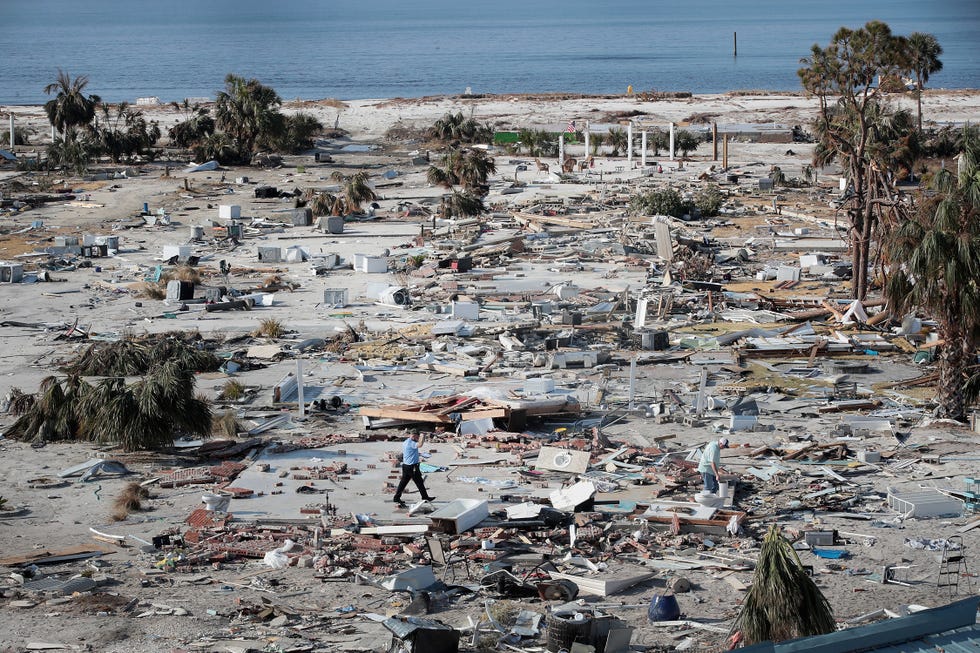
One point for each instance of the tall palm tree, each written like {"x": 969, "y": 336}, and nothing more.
{"x": 247, "y": 110}
{"x": 783, "y": 602}
{"x": 70, "y": 107}
{"x": 936, "y": 268}
{"x": 923, "y": 59}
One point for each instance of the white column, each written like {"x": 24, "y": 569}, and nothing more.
{"x": 632, "y": 381}
{"x": 588, "y": 150}
{"x": 643, "y": 150}
{"x": 299, "y": 387}
{"x": 54, "y": 134}
{"x": 11, "y": 132}
{"x": 561, "y": 151}
{"x": 629, "y": 143}
{"x": 671, "y": 141}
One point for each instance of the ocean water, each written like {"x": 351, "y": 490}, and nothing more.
{"x": 348, "y": 49}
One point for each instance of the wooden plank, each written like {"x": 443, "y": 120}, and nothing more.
{"x": 553, "y": 219}
{"x": 455, "y": 370}
{"x": 485, "y": 413}
{"x": 407, "y": 415}
{"x": 969, "y": 527}
{"x": 39, "y": 556}
{"x": 736, "y": 584}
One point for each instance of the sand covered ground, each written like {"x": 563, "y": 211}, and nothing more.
{"x": 210, "y": 605}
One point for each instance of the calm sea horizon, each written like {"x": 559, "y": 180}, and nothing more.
{"x": 314, "y": 49}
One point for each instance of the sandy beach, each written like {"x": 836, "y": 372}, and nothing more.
{"x": 139, "y": 604}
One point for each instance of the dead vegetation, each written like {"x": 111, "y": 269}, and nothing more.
{"x": 129, "y": 500}
{"x": 136, "y": 356}
{"x": 270, "y": 328}
{"x": 181, "y": 273}
{"x": 226, "y": 424}
{"x": 151, "y": 290}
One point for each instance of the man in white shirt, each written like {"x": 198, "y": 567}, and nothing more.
{"x": 710, "y": 462}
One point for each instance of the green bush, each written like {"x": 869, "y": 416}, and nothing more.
{"x": 663, "y": 201}
{"x": 708, "y": 200}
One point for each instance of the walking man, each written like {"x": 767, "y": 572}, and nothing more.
{"x": 410, "y": 468}
{"x": 710, "y": 460}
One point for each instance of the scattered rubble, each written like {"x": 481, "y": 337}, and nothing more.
{"x": 570, "y": 358}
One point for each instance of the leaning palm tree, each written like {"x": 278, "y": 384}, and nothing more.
{"x": 54, "y": 415}
{"x": 70, "y": 107}
{"x": 321, "y": 203}
{"x": 783, "y": 602}
{"x": 923, "y": 60}
{"x": 354, "y": 190}
{"x": 936, "y": 268}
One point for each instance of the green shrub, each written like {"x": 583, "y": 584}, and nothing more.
{"x": 708, "y": 200}
{"x": 663, "y": 201}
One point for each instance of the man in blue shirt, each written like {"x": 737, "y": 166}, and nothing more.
{"x": 710, "y": 462}
{"x": 410, "y": 468}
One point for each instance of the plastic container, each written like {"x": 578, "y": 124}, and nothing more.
{"x": 723, "y": 489}
{"x": 664, "y": 607}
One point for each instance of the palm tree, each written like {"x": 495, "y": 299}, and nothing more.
{"x": 125, "y": 134}
{"x": 355, "y": 190}
{"x": 321, "y": 203}
{"x": 463, "y": 204}
{"x": 936, "y": 268}
{"x": 70, "y": 107}
{"x": 247, "y": 110}
{"x": 923, "y": 59}
{"x": 220, "y": 147}
{"x": 70, "y": 151}
{"x": 658, "y": 139}
{"x": 595, "y": 143}
{"x": 469, "y": 168}
{"x": 300, "y": 130}
{"x": 456, "y": 127}
{"x": 783, "y": 602}
{"x": 196, "y": 126}
{"x": 617, "y": 140}
{"x": 475, "y": 167}
{"x": 54, "y": 414}
{"x": 686, "y": 142}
